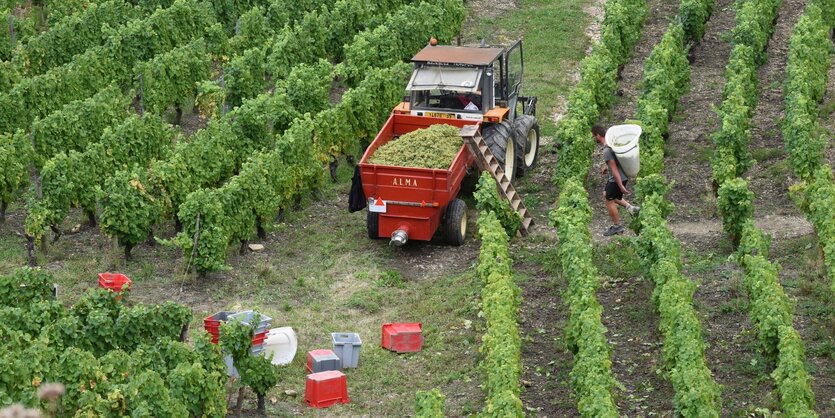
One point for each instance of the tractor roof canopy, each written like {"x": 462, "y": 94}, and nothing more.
{"x": 457, "y": 55}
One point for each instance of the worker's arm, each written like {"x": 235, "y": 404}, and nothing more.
{"x": 614, "y": 170}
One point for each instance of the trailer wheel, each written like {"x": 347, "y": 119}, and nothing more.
{"x": 456, "y": 222}
{"x": 372, "y": 222}
{"x": 526, "y": 134}
{"x": 497, "y": 136}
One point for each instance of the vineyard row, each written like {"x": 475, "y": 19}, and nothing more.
{"x": 806, "y": 142}
{"x": 591, "y": 375}
{"x": 666, "y": 79}
{"x": 770, "y": 310}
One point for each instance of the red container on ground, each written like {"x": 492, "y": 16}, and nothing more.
{"x": 322, "y": 360}
{"x": 212, "y": 325}
{"x": 324, "y": 389}
{"x": 114, "y": 281}
{"x": 403, "y": 337}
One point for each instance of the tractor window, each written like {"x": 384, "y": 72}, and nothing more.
{"x": 429, "y": 77}
{"x": 514, "y": 68}
{"x": 446, "y": 99}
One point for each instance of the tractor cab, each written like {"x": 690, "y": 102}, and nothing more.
{"x": 468, "y": 83}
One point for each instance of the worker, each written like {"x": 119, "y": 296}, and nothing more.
{"x": 615, "y": 187}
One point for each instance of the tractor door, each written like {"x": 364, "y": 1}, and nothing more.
{"x": 513, "y": 72}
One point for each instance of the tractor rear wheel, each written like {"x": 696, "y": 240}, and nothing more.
{"x": 372, "y": 222}
{"x": 497, "y": 137}
{"x": 526, "y": 134}
{"x": 456, "y": 222}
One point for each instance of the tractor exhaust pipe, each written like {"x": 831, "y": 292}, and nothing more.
{"x": 399, "y": 237}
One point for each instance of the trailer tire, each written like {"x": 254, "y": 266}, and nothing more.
{"x": 372, "y": 222}
{"x": 497, "y": 136}
{"x": 456, "y": 222}
{"x": 526, "y": 134}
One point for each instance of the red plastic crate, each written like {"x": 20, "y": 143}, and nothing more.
{"x": 258, "y": 339}
{"x": 403, "y": 337}
{"x": 212, "y": 325}
{"x": 114, "y": 281}
{"x": 324, "y": 389}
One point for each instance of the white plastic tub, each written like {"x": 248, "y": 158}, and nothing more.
{"x": 281, "y": 344}
{"x": 624, "y": 141}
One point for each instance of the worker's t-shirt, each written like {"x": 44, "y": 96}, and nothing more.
{"x": 609, "y": 155}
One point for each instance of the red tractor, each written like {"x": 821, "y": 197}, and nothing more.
{"x": 475, "y": 87}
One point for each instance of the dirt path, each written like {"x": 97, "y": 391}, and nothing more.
{"x": 828, "y": 112}
{"x": 771, "y": 175}
{"x": 625, "y": 296}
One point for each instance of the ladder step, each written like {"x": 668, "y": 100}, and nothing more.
{"x": 486, "y": 160}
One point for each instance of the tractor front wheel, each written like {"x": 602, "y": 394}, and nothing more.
{"x": 497, "y": 137}
{"x": 372, "y": 222}
{"x": 526, "y": 134}
{"x": 456, "y": 222}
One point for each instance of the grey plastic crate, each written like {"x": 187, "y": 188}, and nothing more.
{"x": 347, "y": 347}
{"x": 230, "y": 367}
{"x": 323, "y": 361}
{"x": 246, "y": 318}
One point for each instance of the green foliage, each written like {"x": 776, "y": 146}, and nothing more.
{"x": 256, "y": 371}
{"x": 434, "y": 147}
{"x": 816, "y": 198}
{"x": 72, "y": 36}
{"x": 500, "y": 300}
{"x": 302, "y": 43}
{"x": 488, "y": 200}
{"x": 354, "y": 122}
{"x": 591, "y": 375}
{"x": 25, "y": 286}
{"x": 736, "y": 205}
{"x": 15, "y": 155}
{"x": 308, "y": 87}
{"x": 696, "y": 393}
{"x": 593, "y": 94}
{"x": 793, "y": 381}
{"x": 138, "y": 40}
{"x": 694, "y": 15}
{"x": 78, "y": 124}
{"x": 114, "y": 360}
{"x": 171, "y": 78}
{"x": 253, "y": 30}
{"x": 130, "y": 209}
{"x": 666, "y": 79}
{"x": 754, "y": 25}
{"x": 401, "y": 35}
{"x": 621, "y": 28}
{"x": 244, "y": 75}
{"x": 429, "y": 404}
{"x": 806, "y": 74}
{"x": 24, "y": 28}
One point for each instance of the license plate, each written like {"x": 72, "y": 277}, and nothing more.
{"x": 441, "y": 115}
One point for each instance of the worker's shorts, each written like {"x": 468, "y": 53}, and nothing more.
{"x": 613, "y": 192}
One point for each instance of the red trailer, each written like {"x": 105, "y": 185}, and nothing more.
{"x": 411, "y": 203}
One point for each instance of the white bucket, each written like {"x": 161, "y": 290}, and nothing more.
{"x": 281, "y": 344}
{"x": 624, "y": 141}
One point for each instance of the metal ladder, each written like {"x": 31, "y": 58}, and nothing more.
{"x": 485, "y": 160}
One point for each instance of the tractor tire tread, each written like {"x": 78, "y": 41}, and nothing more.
{"x": 496, "y": 137}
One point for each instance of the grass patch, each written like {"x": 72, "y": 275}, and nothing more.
{"x": 551, "y": 28}
{"x": 619, "y": 258}
{"x": 763, "y": 154}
